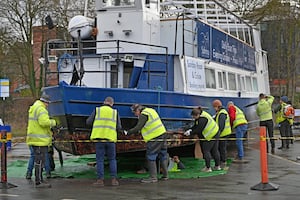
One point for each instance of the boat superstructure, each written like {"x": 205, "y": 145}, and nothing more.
{"x": 170, "y": 55}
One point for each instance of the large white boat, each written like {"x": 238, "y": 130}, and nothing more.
{"x": 169, "y": 55}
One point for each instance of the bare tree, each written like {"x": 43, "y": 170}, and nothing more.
{"x": 243, "y": 7}
{"x": 280, "y": 34}
{"x": 18, "y": 18}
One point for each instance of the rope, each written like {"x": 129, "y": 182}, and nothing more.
{"x": 160, "y": 140}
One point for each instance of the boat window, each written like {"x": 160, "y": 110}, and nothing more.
{"x": 222, "y": 79}
{"x": 114, "y": 76}
{"x": 243, "y": 83}
{"x": 255, "y": 85}
{"x": 265, "y": 61}
{"x": 239, "y": 85}
{"x": 210, "y": 78}
{"x": 128, "y": 66}
{"x": 225, "y": 80}
{"x": 248, "y": 84}
{"x": 110, "y": 3}
{"x": 232, "y": 81}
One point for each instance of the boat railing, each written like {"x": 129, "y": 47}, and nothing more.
{"x": 83, "y": 49}
{"x": 212, "y": 12}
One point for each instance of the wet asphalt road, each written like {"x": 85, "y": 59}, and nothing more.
{"x": 284, "y": 170}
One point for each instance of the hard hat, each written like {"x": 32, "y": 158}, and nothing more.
{"x": 217, "y": 103}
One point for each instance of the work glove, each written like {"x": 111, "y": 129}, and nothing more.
{"x": 125, "y": 132}
{"x": 188, "y": 132}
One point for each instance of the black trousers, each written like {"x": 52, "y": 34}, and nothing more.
{"x": 223, "y": 149}
{"x": 269, "y": 126}
{"x": 285, "y": 132}
{"x": 39, "y": 162}
{"x": 210, "y": 149}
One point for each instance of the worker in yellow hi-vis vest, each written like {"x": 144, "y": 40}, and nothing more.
{"x": 39, "y": 136}
{"x": 223, "y": 120}
{"x": 154, "y": 134}
{"x": 106, "y": 123}
{"x": 238, "y": 122}
{"x": 208, "y": 132}
{"x": 264, "y": 112}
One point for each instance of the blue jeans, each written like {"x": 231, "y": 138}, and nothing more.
{"x": 108, "y": 149}
{"x": 157, "y": 149}
{"x": 240, "y": 131}
{"x": 31, "y": 162}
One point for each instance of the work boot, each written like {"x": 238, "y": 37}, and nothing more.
{"x": 273, "y": 150}
{"x": 42, "y": 185}
{"x": 99, "y": 182}
{"x": 153, "y": 173}
{"x": 48, "y": 175}
{"x": 164, "y": 166}
{"x": 114, "y": 182}
{"x": 28, "y": 175}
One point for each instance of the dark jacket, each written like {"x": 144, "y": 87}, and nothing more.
{"x": 140, "y": 124}
{"x": 221, "y": 122}
{"x": 199, "y": 126}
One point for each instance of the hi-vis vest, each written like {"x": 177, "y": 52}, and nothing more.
{"x": 173, "y": 166}
{"x": 153, "y": 127}
{"x": 264, "y": 109}
{"x": 239, "y": 118}
{"x": 280, "y": 116}
{"x": 211, "y": 129}
{"x": 39, "y": 124}
{"x": 105, "y": 123}
{"x": 227, "y": 128}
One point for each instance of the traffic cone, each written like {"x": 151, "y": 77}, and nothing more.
{"x": 264, "y": 185}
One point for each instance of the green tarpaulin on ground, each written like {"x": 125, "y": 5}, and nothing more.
{"x": 77, "y": 167}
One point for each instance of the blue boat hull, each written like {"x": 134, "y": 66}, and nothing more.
{"x": 71, "y": 105}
